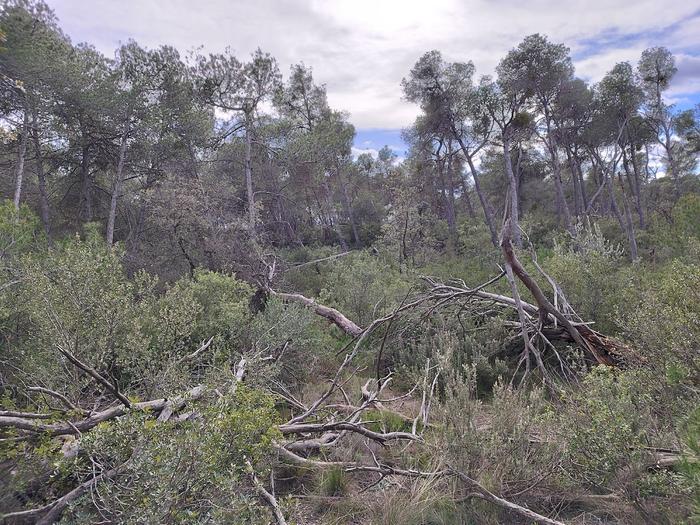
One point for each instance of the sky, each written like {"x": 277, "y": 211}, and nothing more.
{"x": 361, "y": 49}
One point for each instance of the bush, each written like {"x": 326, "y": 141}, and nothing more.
{"x": 363, "y": 286}
{"x": 608, "y": 433}
{"x": 587, "y": 268}
{"x": 193, "y": 472}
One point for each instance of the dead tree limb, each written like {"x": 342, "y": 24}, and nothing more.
{"x": 316, "y": 261}
{"x": 604, "y": 349}
{"x": 267, "y": 496}
{"x": 304, "y": 428}
{"x": 63, "y": 399}
{"x": 95, "y": 375}
{"x": 333, "y": 315}
{"x": 76, "y": 427}
{"x": 485, "y": 494}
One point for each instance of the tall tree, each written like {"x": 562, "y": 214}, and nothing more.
{"x": 446, "y": 94}
{"x": 541, "y": 69}
{"x": 231, "y": 86}
{"x": 656, "y": 69}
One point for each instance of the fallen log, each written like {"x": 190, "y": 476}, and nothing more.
{"x": 333, "y": 315}
{"x": 66, "y": 428}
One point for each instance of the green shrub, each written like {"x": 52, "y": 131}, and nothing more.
{"x": 606, "y": 418}
{"x": 192, "y": 472}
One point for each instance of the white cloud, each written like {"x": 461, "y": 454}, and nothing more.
{"x": 356, "y": 152}
{"x": 362, "y": 48}
{"x": 593, "y": 68}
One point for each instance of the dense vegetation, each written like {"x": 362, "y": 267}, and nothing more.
{"x": 212, "y": 313}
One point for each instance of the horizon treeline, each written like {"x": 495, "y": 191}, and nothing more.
{"x": 191, "y": 158}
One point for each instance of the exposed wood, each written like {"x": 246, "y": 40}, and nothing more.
{"x": 302, "y": 428}
{"x": 333, "y": 315}
{"x": 605, "y": 350}
{"x": 76, "y": 427}
{"x": 267, "y": 496}
{"x": 483, "y": 493}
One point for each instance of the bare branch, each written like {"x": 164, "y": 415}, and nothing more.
{"x": 267, "y": 496}
{"x": 333, "y": 315}
{"x": 63, "y": 399}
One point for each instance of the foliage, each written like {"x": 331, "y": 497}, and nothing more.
{"x": 586, "y": 266}
{"x": 690, "y": 467}
{"x": 606, "y": 415}
{"x": 364, "y": 286}
{"x": 187, "y": 473}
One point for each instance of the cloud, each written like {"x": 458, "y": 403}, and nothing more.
{"x": 363, "y": 48}
{"x": 593, "y": 68}
{"x": 356, "y": 152}
{"x": 687, "y": 79}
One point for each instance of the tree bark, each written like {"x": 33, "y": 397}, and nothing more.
{"x": 21, "y": 154}
{"x": 41, "y": 176}
{"x": 117, "y": 187}
{"x": 513, "y": 184}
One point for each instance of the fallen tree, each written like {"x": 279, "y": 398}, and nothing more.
{"x": 325, "y": 422}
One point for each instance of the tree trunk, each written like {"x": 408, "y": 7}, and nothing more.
{"x": 249, "y": 175}
{"x": 467, "y": 199}
{"x": 578, "y": 195}
{"x": 638, "y": 189}
{"x": 116, "y": 187}
{"x": 447, "y": 202}
{"x": 41, "y": 176}
{"x": 581, "y": 184}
{"x": 348, "y": 208}
{"x": 668, "y": 146}
{"x": 85, "y": 207}
{"x": 485, "y": 205}
{"x": 21, "y": 154}
{"x": 331, "y": 222}
{"x": 562, "y": 205}
{"x": 451, "y": 210}
{"x": 513, "y": 184}
{"x": 628, "y": 225}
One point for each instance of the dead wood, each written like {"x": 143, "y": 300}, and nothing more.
{"x": 333, "y": 315}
